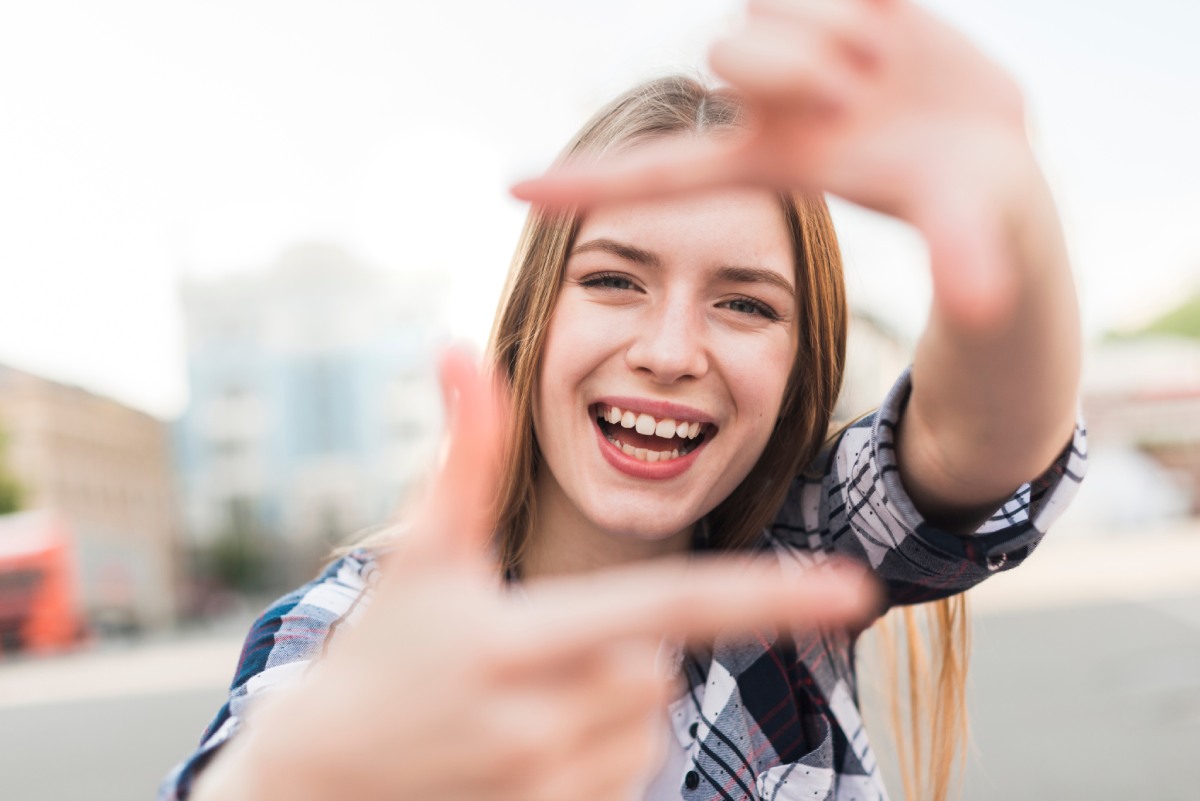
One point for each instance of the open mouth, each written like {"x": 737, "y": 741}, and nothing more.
{"x": 648, "y": 438}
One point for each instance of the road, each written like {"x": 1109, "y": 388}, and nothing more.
{"x": 1081, "y": 689}
{"x": 1099, "y": 702}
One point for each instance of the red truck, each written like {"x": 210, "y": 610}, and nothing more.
{"x": 39, "y": 589}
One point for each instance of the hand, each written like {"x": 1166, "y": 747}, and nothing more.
{"x": 450, "y": 688}
{"x": 873, "y": 100}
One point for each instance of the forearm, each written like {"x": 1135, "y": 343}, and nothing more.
{"x": 993, "y": 404}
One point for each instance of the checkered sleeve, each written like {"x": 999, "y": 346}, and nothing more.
{"x": 853, "y": 504}
{"x": 292, "y": 633}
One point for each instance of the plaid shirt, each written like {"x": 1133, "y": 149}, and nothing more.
{"x": 765, "y": 716}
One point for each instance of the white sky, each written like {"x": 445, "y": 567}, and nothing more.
{"x": 145, "y": 140}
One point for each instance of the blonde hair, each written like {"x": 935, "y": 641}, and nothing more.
{"x": 672, "y": 106}
{"x": 924, "y": 665}
{"x": 681, "y": 105}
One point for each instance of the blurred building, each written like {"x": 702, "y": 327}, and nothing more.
{"x": 312, "y": 402}
{"x": 876, "y": 354}
{"x": 104, "y": 468}
{"x": 1142, "y": 404}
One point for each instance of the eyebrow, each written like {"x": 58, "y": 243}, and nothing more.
{"x": 730, "y": 274}
{"x": 619, "y": 249}
{"x": 755, "y": 275}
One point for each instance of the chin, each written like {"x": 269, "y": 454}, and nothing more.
{"x": 636, "y": 525}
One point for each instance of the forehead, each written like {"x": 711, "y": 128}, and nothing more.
{"x": 743, "y": 226}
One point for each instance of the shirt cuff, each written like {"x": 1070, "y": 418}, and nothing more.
{"x": 1015, "y": 528}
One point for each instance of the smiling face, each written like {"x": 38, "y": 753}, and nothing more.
{"x": 665, "y": 363}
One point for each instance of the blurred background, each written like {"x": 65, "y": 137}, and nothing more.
{"x": 235, "y": 234}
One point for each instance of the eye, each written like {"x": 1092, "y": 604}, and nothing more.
{"x": 607, "y": 281}
{"x": 751, "y": 306}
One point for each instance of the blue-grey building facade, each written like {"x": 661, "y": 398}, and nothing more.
{"x": 312, "y": 398}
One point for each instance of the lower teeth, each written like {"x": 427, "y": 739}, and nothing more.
{"x": 643, "y": 454}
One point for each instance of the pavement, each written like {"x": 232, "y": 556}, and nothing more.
{"x": 1085, "y": 684}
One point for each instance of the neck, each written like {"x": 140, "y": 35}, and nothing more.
{"x": 563, "y": 541}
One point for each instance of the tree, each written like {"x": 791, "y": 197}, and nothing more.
{"x": 238, "y": 561}
{"x": 1181, "y": 321}
{"x": 12, "y": 494}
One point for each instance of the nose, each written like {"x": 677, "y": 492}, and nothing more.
{"x": 670, "y": 341}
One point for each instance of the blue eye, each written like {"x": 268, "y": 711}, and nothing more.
{"x": 607, "y": 281}
{"x": 752, "y": 307}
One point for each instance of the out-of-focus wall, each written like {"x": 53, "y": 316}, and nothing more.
{"x": 876, "y": 354}
{"x": 106, "y": 468}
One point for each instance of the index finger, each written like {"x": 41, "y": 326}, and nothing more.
{"x": 695, "y": 601}
{"x": 456, "y": 520}
{"x": 655, "y": 169}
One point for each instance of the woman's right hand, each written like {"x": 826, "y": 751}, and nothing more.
{"x": 451, "y": 688}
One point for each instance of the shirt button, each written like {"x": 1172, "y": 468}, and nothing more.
{"x": 691, "y": 780}
{"x": 695, "y": 727}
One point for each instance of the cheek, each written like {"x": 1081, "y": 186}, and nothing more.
{"x": 578, "y": 340}
{"x": 758, "y": 373}
{"x": 765, "y": 389}
{"x": 563, "y": 364}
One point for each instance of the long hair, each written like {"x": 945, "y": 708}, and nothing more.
{"x": 681, "y": 105}
{"x": 924, "y": 660}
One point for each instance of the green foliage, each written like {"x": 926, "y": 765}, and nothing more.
{"x": 237, "y": 560}
{"x": 12, "y": 494}
{"x": 1181, "y": 321}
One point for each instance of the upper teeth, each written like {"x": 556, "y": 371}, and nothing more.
{"x": 646, "y": 424}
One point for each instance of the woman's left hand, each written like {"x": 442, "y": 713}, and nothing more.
{"x": 876, "y": 101}
{"x": 879, "y": 102}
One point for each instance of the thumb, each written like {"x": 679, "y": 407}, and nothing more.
{"x": 456, "y": 521}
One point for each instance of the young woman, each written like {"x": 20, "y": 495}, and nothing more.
{"x": 671, "y": 362}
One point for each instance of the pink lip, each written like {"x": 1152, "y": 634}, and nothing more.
{"x": 658, "y": 409}
{"x": 636, "y": 468}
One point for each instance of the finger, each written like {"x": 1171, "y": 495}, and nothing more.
{"x": 464, "y": 495}
{"x": 667, "y": 166}
{"x": 696, "y": 600}
{"x": 457, "y": 519}
{"x": 853, "y": 27}
{"x": 787, "y": 68}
